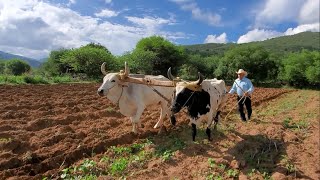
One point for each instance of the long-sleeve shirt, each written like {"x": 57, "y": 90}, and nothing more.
{"x": 245, "y": 84}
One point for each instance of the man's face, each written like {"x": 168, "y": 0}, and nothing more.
{"x": 240, "y": 76}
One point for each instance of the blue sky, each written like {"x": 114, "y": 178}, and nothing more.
{"x": 33, "y": 28}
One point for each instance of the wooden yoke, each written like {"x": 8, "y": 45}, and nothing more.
{"x": 148, "y": 81}
{"x": 124, "y": 76}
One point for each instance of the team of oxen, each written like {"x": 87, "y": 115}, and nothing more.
{"x": 204, "y": 98}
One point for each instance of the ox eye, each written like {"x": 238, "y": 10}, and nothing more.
{"x": 113, "y": 80}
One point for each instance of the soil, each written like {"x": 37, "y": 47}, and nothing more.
{"x": 45, "y": 128}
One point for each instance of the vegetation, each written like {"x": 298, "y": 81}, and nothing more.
{"x": 291, "y": 60}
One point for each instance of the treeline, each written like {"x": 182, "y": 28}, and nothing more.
{"x": 154, "y": 55}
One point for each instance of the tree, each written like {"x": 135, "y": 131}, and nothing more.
{"x": 88, "y": 59}
{"x": 2, "y": 66}
{"x": 54, "y": 66}
{"x": 254, "y": 59}
{"x": 167, "y": 54}
{"x": 138, "y": 61}
{"x": 301, "y": 69}
{"x": 16, "y": 67}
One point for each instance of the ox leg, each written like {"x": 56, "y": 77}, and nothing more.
{"x": 135, "y": 120}
{"x": 194, "y": 131}
{"x": 216, "y": 120}
{"x": 208, "y": 132}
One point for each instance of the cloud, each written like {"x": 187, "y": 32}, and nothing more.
{"x": 216, "y": 39}
{"x": 108, "y": 1}
{"x": 262, "y": 34}
{"x": 315, "y": 27}
{"x": 106, "y": 13}
{"x": 258, "y": 35}
{"x": 212, "y": 19}
{"x": 71, "y": 2}
{"x": 42, "y": 27}
{"x": 297, "y": 11}
{"x": 309, "y": 12}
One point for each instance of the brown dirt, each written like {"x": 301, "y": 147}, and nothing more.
{"x": 45, "y": 128}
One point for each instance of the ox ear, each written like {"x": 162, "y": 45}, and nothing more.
{"x": 126, "y": 69}
{"x": 200, "y": 79}
{"x": 170, "y": 76}
{"x": 103, "y": 68}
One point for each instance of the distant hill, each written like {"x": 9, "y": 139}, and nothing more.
{"x": 293, "y": 43}
{"x": 30, "y": 61}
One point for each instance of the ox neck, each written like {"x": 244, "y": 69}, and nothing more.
{"x": 115, "y": 99}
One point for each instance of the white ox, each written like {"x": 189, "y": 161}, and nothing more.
{"x": 204, "y": 99}
{"x": 133, "y": 98}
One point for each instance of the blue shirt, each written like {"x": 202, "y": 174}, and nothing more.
{"x": 245, "y": 84}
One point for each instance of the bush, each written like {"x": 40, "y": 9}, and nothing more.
{"x": 16, "y": 67}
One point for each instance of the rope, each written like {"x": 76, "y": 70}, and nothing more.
{"x": 233, "y": 107}
{"x": 240, "y": 88}
{"x": 161, "y": 95}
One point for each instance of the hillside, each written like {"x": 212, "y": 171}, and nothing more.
{"x": 30, "y": 61}
{"x": 297, "y": 42}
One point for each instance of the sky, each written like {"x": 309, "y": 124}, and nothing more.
{"x": 33, "y": 28}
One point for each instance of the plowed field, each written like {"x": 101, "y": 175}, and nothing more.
{"x": 47, "y": 128}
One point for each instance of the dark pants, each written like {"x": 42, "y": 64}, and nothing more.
{"x": 247, "y": 102}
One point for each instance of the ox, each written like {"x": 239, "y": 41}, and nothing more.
{"x": 133, "y": 98}
{"x": 203, "y": 99}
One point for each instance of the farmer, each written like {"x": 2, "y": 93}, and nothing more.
{"x": 244, "y": 88}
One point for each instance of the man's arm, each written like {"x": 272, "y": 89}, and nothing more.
{"x": 233, "y": 88}
{"x": 251, "y": 88}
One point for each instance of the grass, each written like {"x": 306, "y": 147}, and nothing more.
{"x": 220, "y": 171}
{"x": 35, "y": 79}
{"x": 288, "y": 103}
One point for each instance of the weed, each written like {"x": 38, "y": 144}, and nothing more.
{"x": 252, "y": 172}
{"x": 110, "y": 109}
{"x": 232, "y": 173}
{"x": 5, "y": 140}
{"x": 288, "y": 164}
{"x": 300, "y": 125}
{"x": 105, "y": 159}
{"x": 167, "y": 155}
{"x": 119, "y": 165}
{"x": 266, "y": 176}
{"x": 212, "y": 163}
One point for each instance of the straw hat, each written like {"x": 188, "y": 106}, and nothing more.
{"x": 241, "y": 71}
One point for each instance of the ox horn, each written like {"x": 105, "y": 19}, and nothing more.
{"x": 170, "y": 76}
{"x": 103, "y": 68}
{"x": 200, "y": 79}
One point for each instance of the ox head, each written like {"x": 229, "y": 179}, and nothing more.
{"x": 184, "y": 92}
{"x": 111, "y": 80}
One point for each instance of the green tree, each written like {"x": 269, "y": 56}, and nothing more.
{"x": 138, "y": 61}
{"x": 16, "y": 67}
{"x": 88, "y": 59}
{"x": 254, "y": 59}
{"x": 54, "y": 66}
{"x": 299, "y": 69}
{"x": 167, "y": 54}
{"x": 2, "y": 66}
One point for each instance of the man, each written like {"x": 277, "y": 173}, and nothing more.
{"x": 244, "y": 88}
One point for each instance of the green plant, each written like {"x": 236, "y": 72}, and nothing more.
{"x": 5, "y": 140}
{"x": 288, "y": 164}
{"x": 212, "y": 163}
{"x": 119, "y": 165}
{"x": 232, "y": 173}
{"x": 167, "y": 155}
